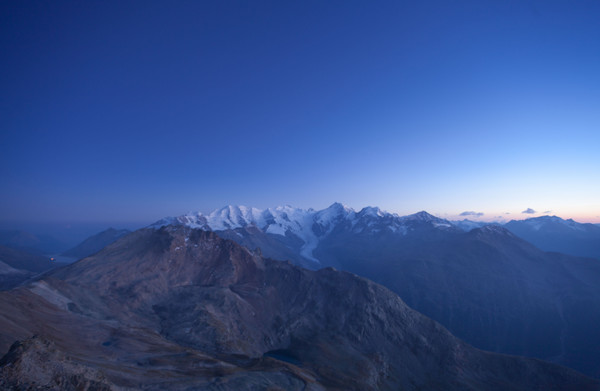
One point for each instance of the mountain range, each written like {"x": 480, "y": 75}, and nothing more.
{"x": 550, "y": 233}
{"x": 487, "y": 285}
{"x": 179, "y": 308}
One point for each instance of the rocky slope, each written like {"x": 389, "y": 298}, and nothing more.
{"x": 178, "y": 308}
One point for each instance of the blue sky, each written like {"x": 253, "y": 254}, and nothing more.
{"x": 131, "y": 111}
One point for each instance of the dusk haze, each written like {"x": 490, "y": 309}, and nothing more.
{"x": 132, "y": 111}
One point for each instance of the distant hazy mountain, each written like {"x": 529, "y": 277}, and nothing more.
{"x": 487, "y": 286}
{"x": 551, "y": 233}
{"x": 11, "y": 277}
{"x": 40, "y": 244}
{"x": 23, "y": 260}
{"x": 182, "y": 309}
{"x": 95, "y": 243}
{"x": 467, "y": 225}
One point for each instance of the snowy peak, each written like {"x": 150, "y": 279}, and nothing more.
{"x": 338, "y": 208}
{"x": 424, "y": 217}
{"x": 325, "y": 220}
{"x": 372, "y": 212}
{"x": 232, "y": 217}
{"x": 333, "y": 212}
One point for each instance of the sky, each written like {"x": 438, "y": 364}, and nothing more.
{"x": 129, "y": 111}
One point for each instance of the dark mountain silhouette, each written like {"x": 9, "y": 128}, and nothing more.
{"x": 95, "y": 243}
{"x": 182, "y": 309}
{"x": 24, "y": 260}
{"x": 37, "y": 244}
{"x": 11, "y": 277}
{"x": 17, "y": 266}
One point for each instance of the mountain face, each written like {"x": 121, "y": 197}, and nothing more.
{"x": 486, "y": 286}
{"x": 551, "y": 233}
{"x": 95, "y": 243}
{"x": 177, "y": 308}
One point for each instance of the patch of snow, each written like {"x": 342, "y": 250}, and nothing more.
{"x": 276, "y": 229}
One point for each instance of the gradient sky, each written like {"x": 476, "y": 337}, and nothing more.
{"x": 135, "y": 110}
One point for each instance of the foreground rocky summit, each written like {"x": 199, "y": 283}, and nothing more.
{"x": 181, "y": 309}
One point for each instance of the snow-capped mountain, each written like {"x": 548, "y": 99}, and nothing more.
{"x": 546, "y": 222}
{"x": 308, "y": 226}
